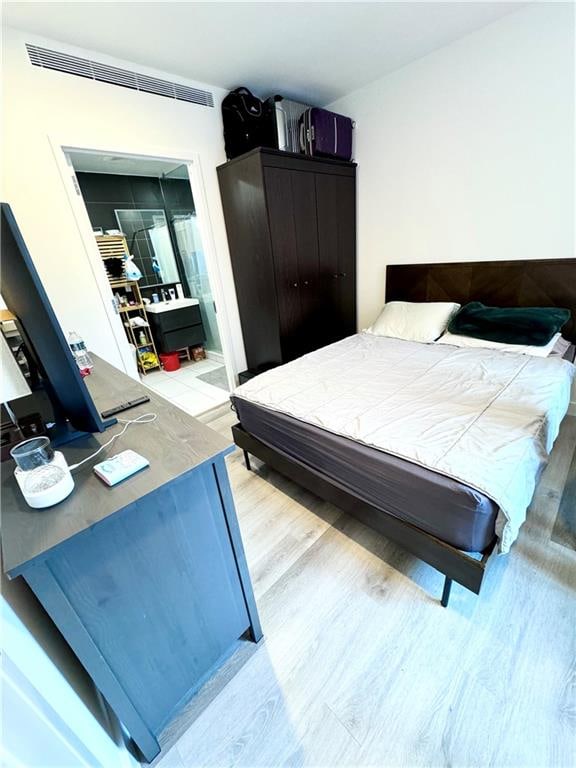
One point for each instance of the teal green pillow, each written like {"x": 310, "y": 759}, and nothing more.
{"x": 533, "y": 326}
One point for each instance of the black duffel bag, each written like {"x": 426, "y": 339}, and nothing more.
{"x": 247, "y": 123}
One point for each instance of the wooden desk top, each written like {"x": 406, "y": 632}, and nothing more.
{"x": 174, "y": 444}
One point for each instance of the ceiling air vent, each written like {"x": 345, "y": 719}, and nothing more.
{"x": 103, "y": 73}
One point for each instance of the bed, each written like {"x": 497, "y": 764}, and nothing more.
{"x": 346, "y": 439}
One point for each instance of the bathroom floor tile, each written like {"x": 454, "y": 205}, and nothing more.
{"x": 190, "y": 375}
{"x": 150, "y": 378}
{"x": 194, "y": 402}
{"x": 169, "y": 387}
{"x": 195, "y": 368}
{"x": 184, "y": 389}
{"x": 209, "y": 390}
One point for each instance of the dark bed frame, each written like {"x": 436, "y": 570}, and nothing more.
{"x": 546, "y": 282}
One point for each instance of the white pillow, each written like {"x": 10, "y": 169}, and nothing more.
{"x": 520, "y": 349}
{"x": 414, "y": 321}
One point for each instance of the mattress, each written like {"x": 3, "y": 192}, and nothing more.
{"x": 484, "y": 418}
{"x": 436, "y": 504}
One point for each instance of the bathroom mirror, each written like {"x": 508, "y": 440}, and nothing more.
{"x": 149, "y": 239}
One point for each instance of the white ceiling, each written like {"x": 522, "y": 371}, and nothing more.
{"x": 312, "y": 51}
{"x": 130, "y": 165}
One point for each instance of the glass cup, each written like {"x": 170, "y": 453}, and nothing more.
{"x": 33, "y": 453}
{"x": 42, "y": 473}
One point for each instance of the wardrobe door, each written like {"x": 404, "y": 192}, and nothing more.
{"x": 306, "y": 237}
{"x": 291, "y": 197}
{"x": 281, "y": 213}
{"x": 336, "y": 209}
{"x": 246, "y": 215}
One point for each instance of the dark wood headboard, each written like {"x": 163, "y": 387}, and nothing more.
{"x": 534, "y": 283}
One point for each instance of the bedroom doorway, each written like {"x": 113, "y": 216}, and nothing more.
{"x": 146, "y": 206}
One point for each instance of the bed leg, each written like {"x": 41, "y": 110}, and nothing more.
{"x": 247, "y": 460}
{"x": 446, "y": 592}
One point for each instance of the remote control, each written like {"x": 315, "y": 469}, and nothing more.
{"x": 119, "y": 467}
{"x": 125, "y": 406}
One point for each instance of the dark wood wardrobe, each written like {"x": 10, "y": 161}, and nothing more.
{"x": 291, "y": 224}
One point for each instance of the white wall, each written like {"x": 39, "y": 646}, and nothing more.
{"x": 39, "y": 104}
{"x": 468, "y": 153}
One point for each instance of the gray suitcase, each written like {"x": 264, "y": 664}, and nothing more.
{"x": 286, "y": 115}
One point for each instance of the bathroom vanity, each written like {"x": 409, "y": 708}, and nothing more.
{"x": 176, "y": 324}
{"x": 147, "y": 581}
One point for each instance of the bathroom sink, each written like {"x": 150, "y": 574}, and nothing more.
{"x": 167, "y": 306}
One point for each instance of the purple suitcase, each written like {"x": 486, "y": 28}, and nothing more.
{"x": 326, "y": 134}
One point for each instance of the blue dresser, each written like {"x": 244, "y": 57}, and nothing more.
{"x": 147, "y": 581}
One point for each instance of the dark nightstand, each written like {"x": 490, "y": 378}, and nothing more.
{"x": 252, "y": 372}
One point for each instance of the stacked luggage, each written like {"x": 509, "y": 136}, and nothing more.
{"x": 283, "y": 124}
{"x": 247, "y": 123}
{"x": 326, "y": 134}
{"x": 286, "y": 116}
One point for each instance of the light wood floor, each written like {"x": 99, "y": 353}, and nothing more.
{"x": 362, "y": 667}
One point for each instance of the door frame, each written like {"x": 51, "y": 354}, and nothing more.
{"x": 84, "y": 228}
{"x": 60, "y": 148}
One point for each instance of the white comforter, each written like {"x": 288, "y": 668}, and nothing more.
{"x": 486, "y": 418}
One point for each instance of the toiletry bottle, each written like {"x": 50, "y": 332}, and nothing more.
{"x": 142, "y": 338}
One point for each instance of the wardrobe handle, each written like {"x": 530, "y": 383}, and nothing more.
{"x": 295, "y": 285}
{"x": 342, "y": 274}
{"x": 305, "y": 282}
{"x": 335, "y": 276}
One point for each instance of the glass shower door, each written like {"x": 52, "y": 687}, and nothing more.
{"x": 182, "y": 215}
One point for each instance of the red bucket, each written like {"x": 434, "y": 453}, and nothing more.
{"x": 170, "y": 361}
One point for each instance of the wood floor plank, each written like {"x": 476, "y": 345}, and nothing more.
{"x": 305, "y": 641}
{"x": 323, "y": 740}
{"x": 360, "y": 666}
{"x": 564, "y": 530}
{"x": 545, "y": 504}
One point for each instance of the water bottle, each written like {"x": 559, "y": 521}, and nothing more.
{"x": 81, "y": 356}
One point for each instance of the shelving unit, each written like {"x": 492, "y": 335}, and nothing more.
{"x": 114, "y": 248}
{"x": 138, "y": 309}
